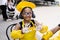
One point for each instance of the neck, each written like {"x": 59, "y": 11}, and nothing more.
{"x": 25, "y": 21}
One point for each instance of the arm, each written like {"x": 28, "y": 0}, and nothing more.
{"x": 17, "y": 27}
{"x": 54, "y": 30}
{"x": 38, "y": 25}
{"x": 16, "y": 32}
{"x": 48, "y": 34}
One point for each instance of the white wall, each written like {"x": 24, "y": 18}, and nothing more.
{"x": 48, "y": 15}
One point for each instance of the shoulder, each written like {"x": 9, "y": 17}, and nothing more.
{"x": 34, "y": 21}
{"x": 18, "y": 26}
{"x": 37, "y": 22}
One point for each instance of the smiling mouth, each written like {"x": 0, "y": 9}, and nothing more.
{"x": 28, "y": 17}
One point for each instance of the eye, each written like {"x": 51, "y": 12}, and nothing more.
{"x": 27, "y": 13}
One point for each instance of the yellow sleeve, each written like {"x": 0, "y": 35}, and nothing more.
{"x": 47, "y": 35}
{"x": 56, "y": 36}
{"x": 44, "y": 29}
{"x": 15, "y": 34}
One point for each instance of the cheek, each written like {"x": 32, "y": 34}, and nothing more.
{"x": 30, "y": 15}
{"x": 24, "y": 16}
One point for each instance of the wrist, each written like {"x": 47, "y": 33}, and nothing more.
{"x": 59, "y": 25}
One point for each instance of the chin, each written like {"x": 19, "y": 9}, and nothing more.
{"x": 28, "y": 19}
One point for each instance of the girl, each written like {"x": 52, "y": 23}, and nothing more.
{"x": 28, "y": 27}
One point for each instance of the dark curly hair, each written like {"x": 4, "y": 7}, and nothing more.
{"x": 33, "y": 15}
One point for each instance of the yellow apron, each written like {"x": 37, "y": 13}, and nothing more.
{"x": 30, "y": 35}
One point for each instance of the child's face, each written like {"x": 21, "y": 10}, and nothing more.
{"x": 27, "y": 14}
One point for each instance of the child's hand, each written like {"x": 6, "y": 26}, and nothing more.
{"x": 39, "y": 27}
